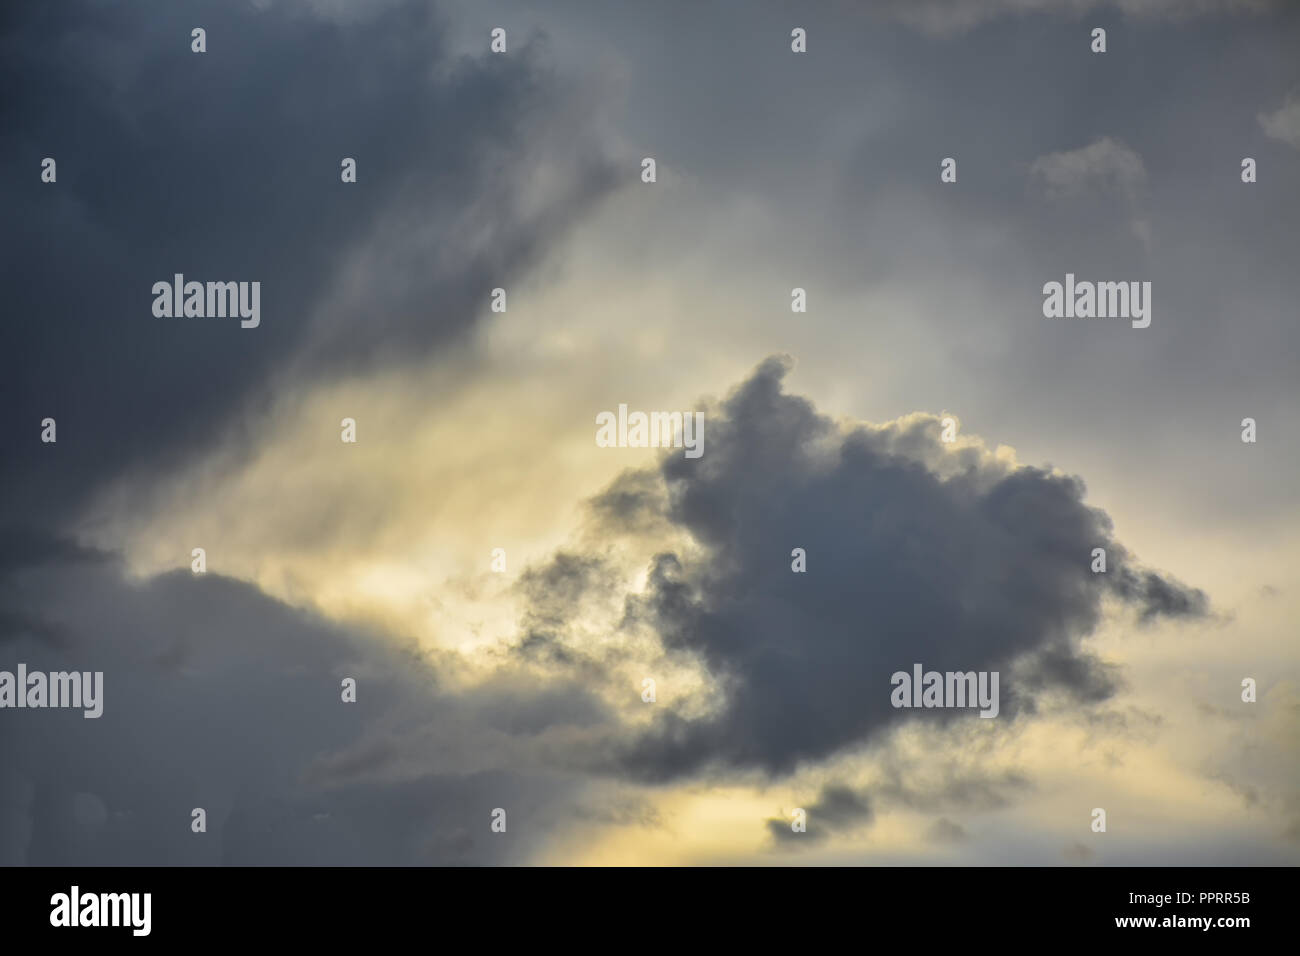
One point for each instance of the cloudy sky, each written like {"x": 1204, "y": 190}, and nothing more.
{"x": 522, "y": 687}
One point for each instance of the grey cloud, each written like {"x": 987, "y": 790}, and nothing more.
{"x": 956, "y": 563}
{"x": 246, "y": 721}
{"x": 23, "y": 547}
{"x": 837, "y": 810}
{"x": 225, "y": 166}
{"x": 633, "y": 501}
{"x": 1090, "y": 678}
{"x": 1157, "y": 596}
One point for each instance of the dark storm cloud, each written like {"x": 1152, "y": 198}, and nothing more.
{"x": 217, "y": 696}
{"x": 225, "y": 166}
{"x": 554, "y": 588}
{"x": 914, "y": 555}
{"x": 1157, "y": 596}
{"x": 551, "y": 592}
{"x": 632, "y": 501}
{"x": 1089, "y": 678}
{"x": 25, "y": 548}
{"x": 838, "y": 809}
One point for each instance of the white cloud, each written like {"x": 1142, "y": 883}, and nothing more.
{"x": 1103, "y": 165}
{"x": 1284, "y": 123}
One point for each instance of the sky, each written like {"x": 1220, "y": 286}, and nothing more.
{"x": 914, "y": 470}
